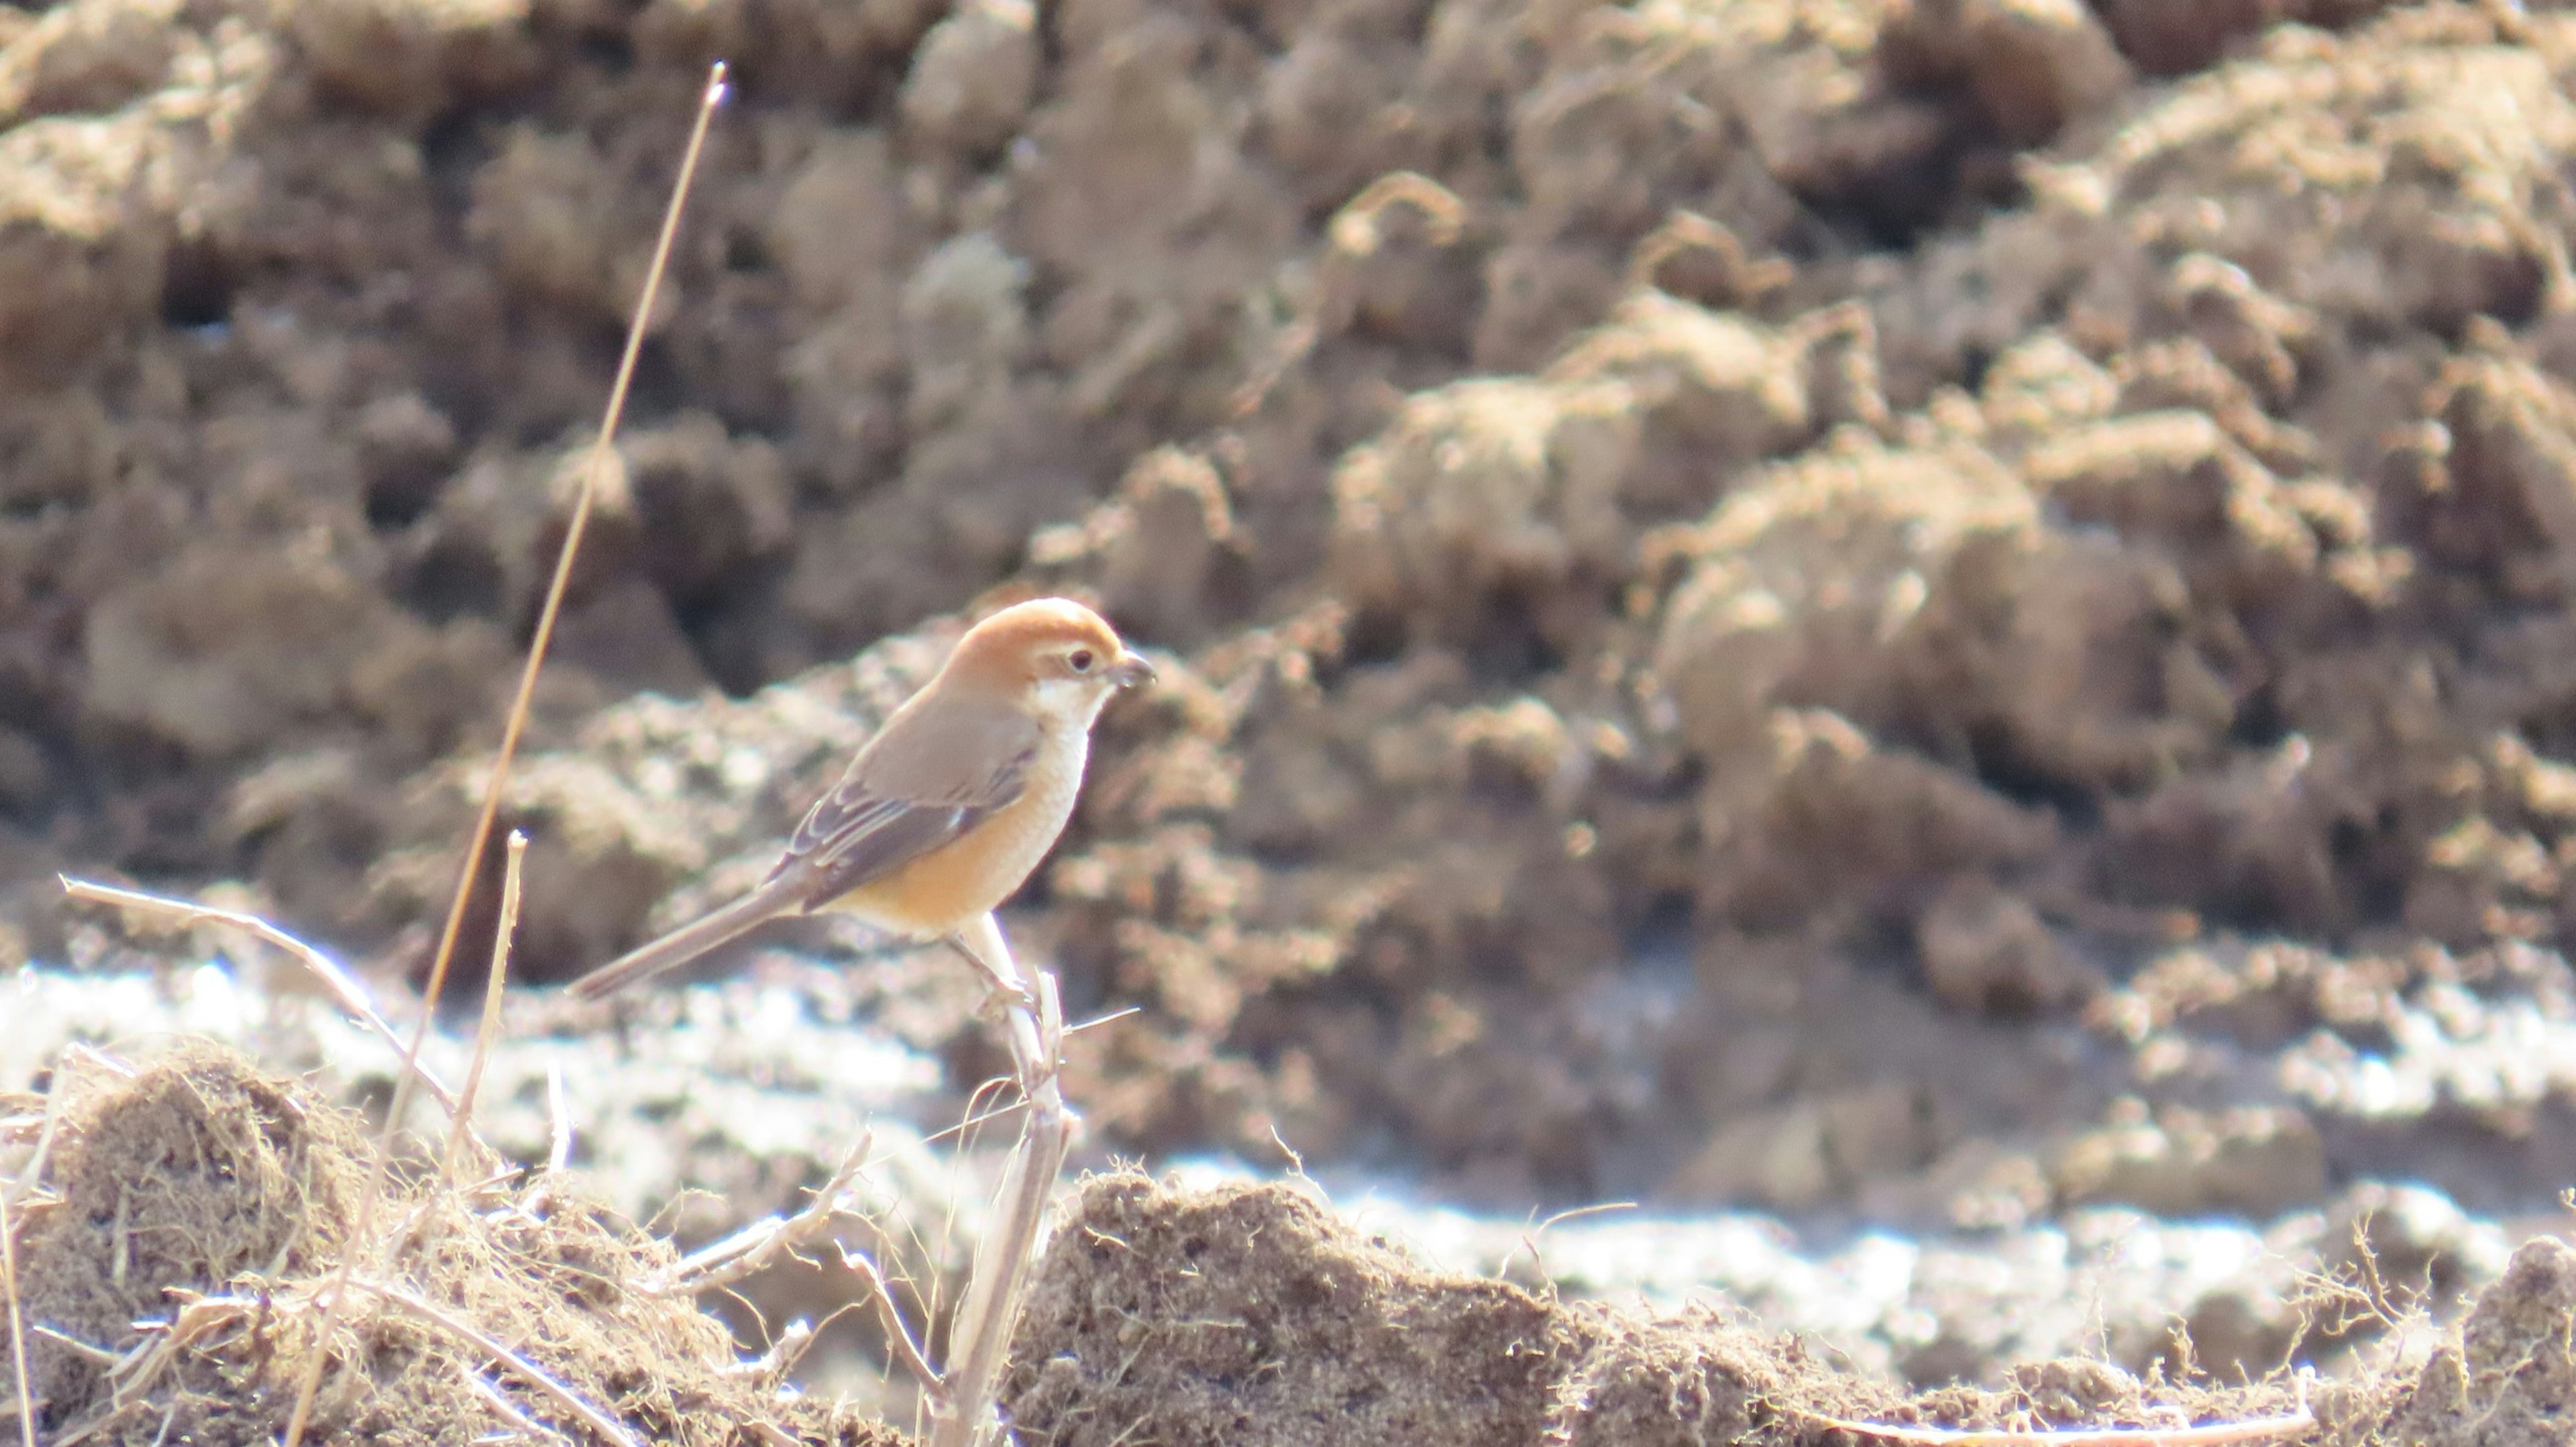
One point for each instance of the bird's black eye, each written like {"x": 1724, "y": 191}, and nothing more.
{"x": 1080, "y": 658}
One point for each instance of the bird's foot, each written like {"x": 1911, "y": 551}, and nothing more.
{"x": 1003, "y": 996}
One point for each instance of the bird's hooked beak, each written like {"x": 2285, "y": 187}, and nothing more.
{"x": 1131, "y": 670}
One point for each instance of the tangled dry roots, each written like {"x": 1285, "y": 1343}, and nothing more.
{"x": 189, "y": 1214}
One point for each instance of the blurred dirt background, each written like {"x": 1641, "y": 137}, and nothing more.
{"x": 1921, "y": 614}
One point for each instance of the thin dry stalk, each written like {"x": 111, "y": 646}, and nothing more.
{"x": 344, "y": 988}
{"x": 507, "y": 1410}
{"x": 17, "y": 1329}
{"x": 502, "y": 934}
{"x": 596, "y": 1420}
{"x": 35, "y": 1169}
{"x": 898, "y": 1335}
{"x": 558, "y": 1119}
{"x": 757, "y": 1245}
{"x": 981, "y": 1338}
{"x": 515, "y": 726}
{"x": 794, "y": 1340}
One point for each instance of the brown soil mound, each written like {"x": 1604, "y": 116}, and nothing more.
{"x": 188, "y": 1214}
{"x": 1251, "y": 1316}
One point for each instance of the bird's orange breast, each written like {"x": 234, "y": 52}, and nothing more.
{"x": 943, "y": 889}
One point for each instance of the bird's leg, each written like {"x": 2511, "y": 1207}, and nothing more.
{"x": 980, "y": 941}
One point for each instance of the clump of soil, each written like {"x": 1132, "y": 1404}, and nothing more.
{"x": 1251, "y": 1314}
{"x": 186, "y": 1217}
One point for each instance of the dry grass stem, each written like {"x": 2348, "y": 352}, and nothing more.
{"x": 773, "y": 1365}
{"x": 35, "y": 1169}
{"x": 898, "y": 1336}
{"x": 502, "y": 934}
{"x": 344, "y": 988}
{"x": 977, "y": 1116}
{"x": 464, "y": 1331}
{"x": 505, "y": 1409}
{"x": 24, "y": 1403}
{"x": 980, "y": 1338}
{"x": 558, "y": 1119}
{"x": 91, "y": 1055}
{"x": 515, "y": 726}
{"x": 755, "y": 1246}
{"x": 90, "y": 1350}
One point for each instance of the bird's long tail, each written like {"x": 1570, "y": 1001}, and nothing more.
{"x": 779, "y": 896}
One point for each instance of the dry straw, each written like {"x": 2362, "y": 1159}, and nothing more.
{"x": 461, "y": 1129}
{"x": 601, "y": 454}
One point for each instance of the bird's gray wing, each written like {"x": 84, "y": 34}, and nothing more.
{"x": 928, "y": 777}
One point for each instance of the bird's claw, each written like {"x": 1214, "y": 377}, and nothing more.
{"x": 1002, "y": 996}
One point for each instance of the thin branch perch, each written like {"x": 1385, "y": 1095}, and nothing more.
{"x": 980, "y": 1339}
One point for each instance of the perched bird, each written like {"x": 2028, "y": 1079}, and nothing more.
{"x": 949, "y": 808}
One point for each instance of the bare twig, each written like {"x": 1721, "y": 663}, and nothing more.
{"x": 345, "y": 989}
{"x": 794, "y": 1340}
{"x": 755, "y": 1246}
{"x": 91, "y": 1055}
{"x": 465, "y": 1331}
{"x": 517, "y": 722}
{"x": 980, "y": 1338}
{"x": 35, "y": 1167}
{"x": 898, "y": 1336}
{"x": 977, "y": 1117}
{"x": 502, "y": 934}
{"x": 91, "y": 1350}
{"x": 17, "y": 1329}
{"x": 558, "y": 1119}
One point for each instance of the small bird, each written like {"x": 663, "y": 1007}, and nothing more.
{"x": 945, "y": 813}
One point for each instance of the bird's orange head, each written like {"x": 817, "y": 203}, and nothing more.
{"x": 1058, "y": 658}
